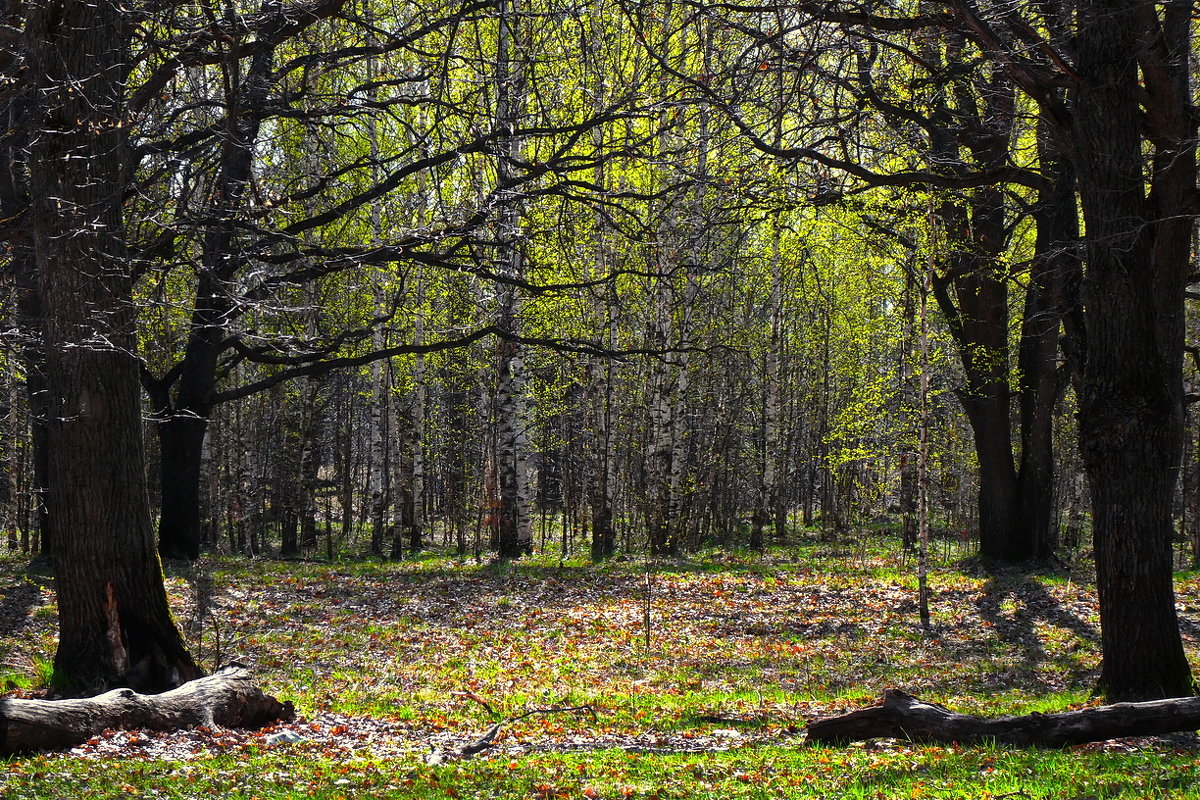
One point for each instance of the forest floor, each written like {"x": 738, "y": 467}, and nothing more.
{"x": 395, "y": 668}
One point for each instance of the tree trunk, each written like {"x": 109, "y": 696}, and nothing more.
{"x": 115, "y": 628}
{"x": 181, "y": 446}
{"x": 771, "y": 508}
{"x": 1131, "y": 399}
{"x": 1014, "y": 499}
{"x": 227, "y": 698}
{"x": 1055, "y": 263}
{"x": 514, "y": 525}
{"x": 910, "y": 398}
{"x": 382, "y": 417}
{"x": 599, "y": 397}
{"x": 184, "y": 417}
{"x": 604, "y": 455}
{"x": 999, "y": 539}
{"x": 902, "y": 716}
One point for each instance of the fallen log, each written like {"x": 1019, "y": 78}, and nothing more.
{"x": 228, "y": 698}
{"x": 903, "y": 716}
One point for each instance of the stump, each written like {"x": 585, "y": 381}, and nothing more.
{"x": 227, "y": 698}
{"x": 903, "y": 716}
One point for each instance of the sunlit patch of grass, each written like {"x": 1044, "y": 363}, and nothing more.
{"x": 886, "y": 771}
{"x": 14, "y": 679}
{"x": 740, "y": 643}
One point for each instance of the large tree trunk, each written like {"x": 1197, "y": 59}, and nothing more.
{"x": 182, "y": 404}
{"x": 972, "y": 291}
{"x": 903, "y": 716}
{"x": 227, "y": 698}
{"x": 998, "y": 500}
{"x": 115, "y": 628}
{"x": 1131, "y": 400}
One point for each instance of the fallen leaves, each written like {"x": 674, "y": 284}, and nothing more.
{"x": 421, "y": 658}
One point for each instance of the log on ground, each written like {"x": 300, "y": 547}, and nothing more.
{"x": 228, "y": 698}
{"x": 903, "y": 716}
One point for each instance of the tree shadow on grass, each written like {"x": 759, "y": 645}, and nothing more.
{"x": 17, "y": 601}
{"x": 1031, "y": 603}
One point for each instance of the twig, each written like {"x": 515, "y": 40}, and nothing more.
{"x": 477, "y": 699}
{"x": 485, "y": 741}
{"x": 555, "y": 710}
{"x": 482, "y": 743}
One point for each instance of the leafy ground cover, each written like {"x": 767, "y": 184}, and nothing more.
{"x": 396, "y": 667}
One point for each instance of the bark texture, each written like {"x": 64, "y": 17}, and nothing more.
{"x": 903, "y": 716}
{"x": 514, "y": 525}
{"x": 115, "y": 628}
{"x": 972, "y": 287}
{"x": 227, "y": 698}
{"x": 1138, "y": 262}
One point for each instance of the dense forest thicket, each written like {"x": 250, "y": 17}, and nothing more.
{"x": 633, "y": 274}
{"x": 697, "y": 339}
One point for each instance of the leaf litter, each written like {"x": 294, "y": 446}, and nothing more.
{"x": 378, "y": 657}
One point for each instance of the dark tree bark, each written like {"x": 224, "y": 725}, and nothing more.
{"x": 115, "y": 628}
{"x": 1138, "y": 260}
{"x": 227, "y": 698}
{"x": 181, "y": 446}
{"x": 903, "y": 716}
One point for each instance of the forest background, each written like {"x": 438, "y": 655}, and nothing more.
{"x": 623, "y": 277}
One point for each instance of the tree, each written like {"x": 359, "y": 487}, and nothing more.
{"x": 1126, "y": 128}
{"x": 1132, "y": 96}
{"x": 919, "y": 115}
{"x": 114, "y": 624}
{"x": 513, "y": 533}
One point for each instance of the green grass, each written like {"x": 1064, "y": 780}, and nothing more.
{"x": 742, "y": 650}
{"x": 753, "y": 772}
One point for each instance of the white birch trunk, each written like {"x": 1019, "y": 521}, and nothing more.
{"x": 770, "y": 507}
{"x": 514, "y": 525}
{"x": 658, "y": 483}
{"x": 417, "y": 424}
{"x": 381, "y": 390}
{"x": 603, "y": 477}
